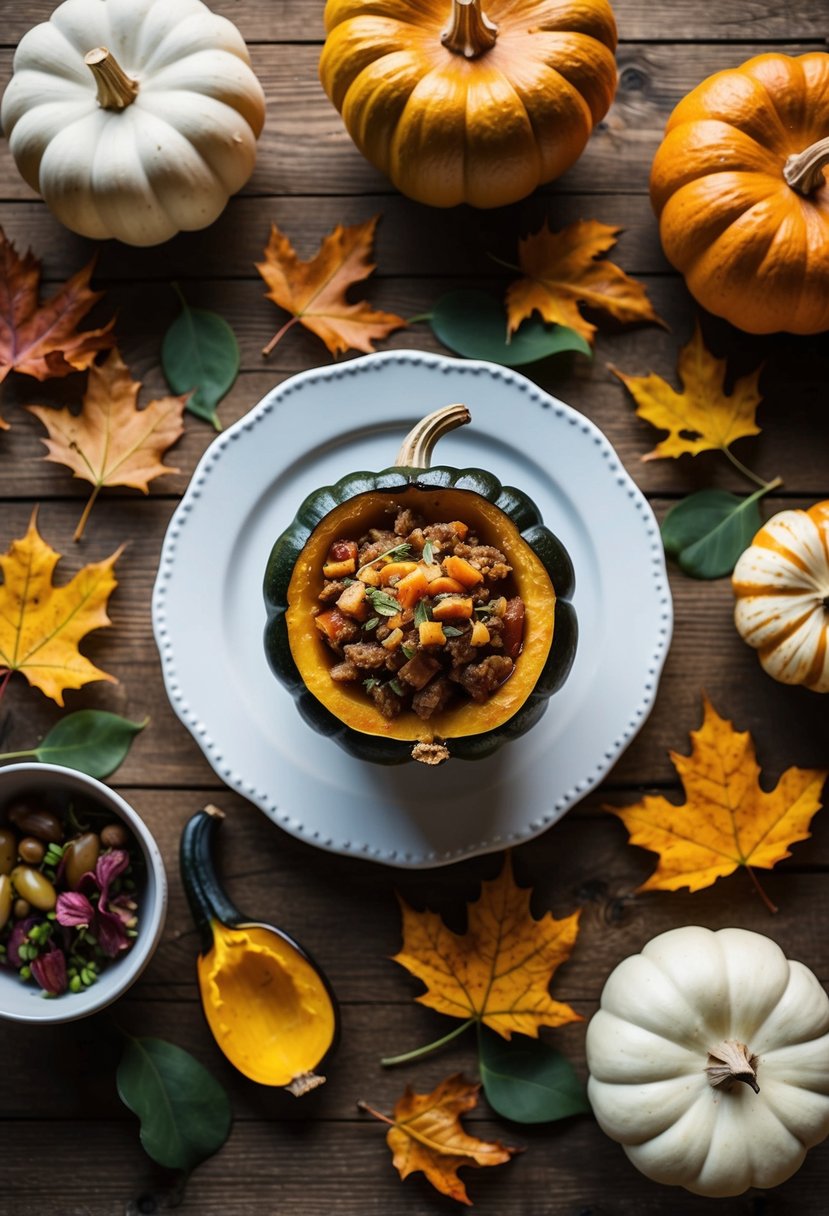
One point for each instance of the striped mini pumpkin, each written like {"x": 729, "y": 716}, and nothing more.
{"x": 782, "y": 587}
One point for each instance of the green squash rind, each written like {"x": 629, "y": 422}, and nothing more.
{"x": 523, "y": 513}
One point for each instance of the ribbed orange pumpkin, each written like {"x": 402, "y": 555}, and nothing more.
{"x": 457, "y": 105}
{"x": 743, "y": 203}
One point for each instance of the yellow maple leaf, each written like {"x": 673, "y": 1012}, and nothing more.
{"x": 727, "y": 820}
{"x": 111, "y": 442}
{"x": 562, "y": 272}
{"x": 499, "y": 971}
{"x": 314, "y": 292}
{"x": 700, "y": 418}
{"x": 426, "y": 1135}
{"x": 41, "y": 625}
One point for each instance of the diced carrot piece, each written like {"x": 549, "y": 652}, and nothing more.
{"x": 412, "y": 588}
{"x": 453, "y": 608}
{"x": 331, "y": 623}
{"x": 463, "y": 571}
{"x": 431, "y": 634}
{"x": 353, "y": 601}
{"x": 395, "y": 570}
{"x": 395, "y": 622}
{"x": 340, "y": 569}
{"x": 480, "y": 634}
{"x": 461, "y": 528}
{"x": 369, "y": 576}
{"x": 393, "y": 640}
{"x": 445, "y": 586}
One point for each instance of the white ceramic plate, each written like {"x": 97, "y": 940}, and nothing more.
{"x": 209, "y": 616}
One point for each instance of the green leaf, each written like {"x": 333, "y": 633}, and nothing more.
{"x": 200, "y": 352}
{"x": 92, "y": 740}
{"x": 708, "y": 531}
{"x": 474, "y": 323}
{"x": 526, "y": 1080}
{"x": 184, "y": 1112}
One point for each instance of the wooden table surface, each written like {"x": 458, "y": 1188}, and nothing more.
{"x": 68, "y": 1146}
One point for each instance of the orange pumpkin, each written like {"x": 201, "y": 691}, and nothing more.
{"x": 457, "y": 105}
{"x": 741, "y": 194}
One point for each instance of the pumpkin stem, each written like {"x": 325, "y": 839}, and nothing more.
{"x": 730, "y": 1062}
{"x": 416, "y": 449}
{"x": 116, "y": 90}
{"x": 470, "y": 32}
{"x": 803, "y": 171}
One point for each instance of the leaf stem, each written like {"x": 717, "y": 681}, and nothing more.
{"x": 390, "y": 1061}
{"x": 85, "y": 515}
{"x": 771, "y": 907}
{"x": 32, "y": 751}
{"x": 369, "y": 1110}
{"x": 266, "y": 350}
{"x": 421, "y": 316}
{"x": 746, "y": 472}
{"x": 506, "y": 265}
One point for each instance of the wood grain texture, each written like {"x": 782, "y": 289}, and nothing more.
{"x": 58, "y": 1106}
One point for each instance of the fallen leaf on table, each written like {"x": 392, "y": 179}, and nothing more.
{"x": 41, "y": 340}
{"x": 426, "y": 1134}
{"x": 314, "y": 292}
{"x": 112, "y": 442}
{"x": 94, "y": 741}
{"x": 727, "y": 820}
{"x": 497, "y": 973}
{"x": 564, "y": 270}
{"x": 41, "y": 625}
{"x": 200, "y": 357}
{"x": 700, "y": 418}
{"x": 473, "y": 323}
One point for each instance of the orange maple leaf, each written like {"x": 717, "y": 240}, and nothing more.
{"x": 426, "y": 1135}
{"x": 562, "y": 272}
{"x": 40, "y": 340}
{"x": 112, "y": 442}
{"x": 499, "y": 971}
{"x": 700, "y": 418}
{"x": 314, "y": 292}
{"x": 41, "y": 625}
{"x": 727, "y": 820}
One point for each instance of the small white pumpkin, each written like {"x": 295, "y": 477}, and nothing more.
{"x": 135, "y": 119}
{"x": 782, "y": 587}
{"x": 681, "y": 1027}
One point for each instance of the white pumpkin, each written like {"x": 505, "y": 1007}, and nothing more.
{"x": 134, "y": 119}
{"x": 782, "y": 587}
{"x": 680, "y": 1027}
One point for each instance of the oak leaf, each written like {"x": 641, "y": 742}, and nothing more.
{"x": 426, "y": 1135}
{"x": 41, "y": 625}
{"x": 727, "y": 820}
{"x": 564, "y": 270}
{"x": 700, "y": 418}
{"x": 112, "y": 442}
{"x": 314, "y": 292}
{"x": 41, "y": 340}
{"x": 499, "y": 971}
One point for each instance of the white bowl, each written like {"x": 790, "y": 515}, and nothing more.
{"x": 24, "y": 1002}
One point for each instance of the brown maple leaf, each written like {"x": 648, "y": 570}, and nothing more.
{"x": 564, "y": 270}
{"x": 426, "y": 1134}
{"x": 700, "y": 418}
{"x": 314, "y": 292}
{"x": 41, "y": 340}
{"x": 727, "y": 820}
{"x": 112, "y": 442}
{"x": 41, "y": 625}
{"x": 499, "y": 971}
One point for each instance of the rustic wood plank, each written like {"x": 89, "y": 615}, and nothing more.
{"x": 305, "y": 149}
{"x": 710, "y": 20}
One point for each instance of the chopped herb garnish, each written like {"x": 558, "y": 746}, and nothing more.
{"x": 408, "y": 652}
{"x": 421, "y": 613}
{"x": 452, "y": 631}
{"x": 394, "y": 685}
{"x": 372, "y": 624}
{"x": 370, "y": 682}
{"x": 398, "y": 551}
{"x": 382, "y": 602}
{"x": 428, "y": 553}
{"x": 485, "y": 609}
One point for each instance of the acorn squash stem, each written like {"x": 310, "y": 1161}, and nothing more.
{"x": 803, "y": 171}
{"x": 417, "y": 447}
{"x": 470, "y": 32}
{"x": 205, "y": 896}
{"x": 116, "y": 90}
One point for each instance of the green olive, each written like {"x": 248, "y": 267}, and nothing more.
{"x": 32, "y": 850}
{"x": 21, "y": 908}
{"x": 36, "y": 821}
{"x": 35, "y": 887}
{"x": 8, "y": 851}
{"x": 5, "y": 899}
{"x": 80, "y": 856}
{"x": 114, "y": 836}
